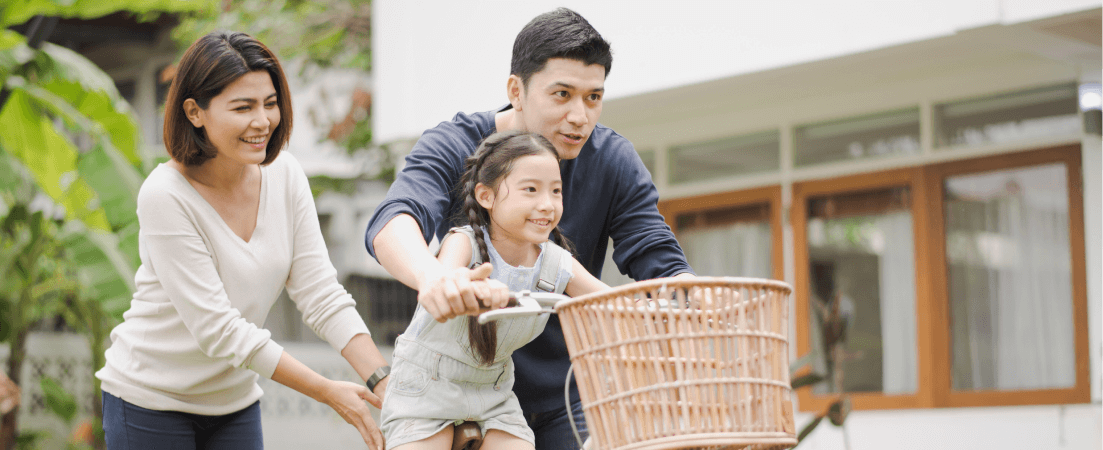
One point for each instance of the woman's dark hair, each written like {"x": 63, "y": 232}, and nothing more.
{"x": 207, "y": 67}
{"x": 489, "y": 165}
{"x": 558, "y": 34}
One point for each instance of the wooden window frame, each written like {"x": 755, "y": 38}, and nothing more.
{"x": 944, "y": 394}
{"x": 932, "y": 285}
{"x": 910, "y": 178}
{"x": 671, "y": 209}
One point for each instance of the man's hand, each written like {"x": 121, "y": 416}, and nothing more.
{"x": 491, "y": 293}
{"x": 450, "y": 293}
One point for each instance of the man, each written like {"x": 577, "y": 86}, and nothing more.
{"x": 555, "y": 88}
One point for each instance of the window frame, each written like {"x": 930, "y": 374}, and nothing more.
{"x": 671, "y": 209}
{"x": 802, "y": 191}
{"x": 936, "y": 174}
{"x": 933, "y": 336}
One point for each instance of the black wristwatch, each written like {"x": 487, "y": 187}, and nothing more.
{"x": 378, "y": 376}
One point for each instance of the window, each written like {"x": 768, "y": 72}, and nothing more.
{"x": 741, "y": 155}
{"x": 855, "y": 250}
{"x": 648, "y": 158}
{"x": 386, "y": 305}
{"x": 962, "y": 283}
{"x": 1016, "y": 116}
{"x": 883, "y": 134}
{"x": 730, "y": 234}
{"x": 1011, "y": 247}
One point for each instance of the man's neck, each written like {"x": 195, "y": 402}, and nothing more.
{"x": 507, "y": 120}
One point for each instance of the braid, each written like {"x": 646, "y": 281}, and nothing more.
{"x": 562, "y": 240}
{"x": 484, "y": 338}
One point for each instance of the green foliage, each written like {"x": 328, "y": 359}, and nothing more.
{"x": 68, "y": 134}
{"x": 60, "y": 402}
{"x": 15, "y": 12}
{"x": 321, "y": 34}
{"x": 326, "y": 33}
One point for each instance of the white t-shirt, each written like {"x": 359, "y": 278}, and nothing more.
{"x": 191, "y": 340}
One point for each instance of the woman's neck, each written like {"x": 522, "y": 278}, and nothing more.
{"x": 217, "y": 173}
{"x": 515, "y": 253}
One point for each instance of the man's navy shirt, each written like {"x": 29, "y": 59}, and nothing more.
{"x": 607, "y": 192}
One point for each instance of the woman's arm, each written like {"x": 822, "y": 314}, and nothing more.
{"x": 344, "y": 397}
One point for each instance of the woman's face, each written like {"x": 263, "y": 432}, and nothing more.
{"x": 240, "y": 120}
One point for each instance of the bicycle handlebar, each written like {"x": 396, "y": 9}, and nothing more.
{"x": 524, "y": 304}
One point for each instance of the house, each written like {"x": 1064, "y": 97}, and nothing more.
{"x": 935, "y": 166}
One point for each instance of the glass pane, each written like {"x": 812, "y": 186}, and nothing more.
{"x": 725, "y": 157}
{"x": 1010, "y": 117}
{"x": 1010, "y": 279}
{"x": 733, "y": 241}
{"x": 889, "y": 133}
{"x": 862, "y": 270}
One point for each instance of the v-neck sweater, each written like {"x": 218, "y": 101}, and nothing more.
{"x": 192, "y": 339}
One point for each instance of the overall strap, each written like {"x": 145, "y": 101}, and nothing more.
{"x": 549, "y": 269}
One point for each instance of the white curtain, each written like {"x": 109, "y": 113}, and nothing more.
{"x": 897, "y": 291}
{"x": 741, "y": 250}
{"x": 1013, "y": 276}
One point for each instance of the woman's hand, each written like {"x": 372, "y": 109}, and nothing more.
{"x": 348, "y": 400}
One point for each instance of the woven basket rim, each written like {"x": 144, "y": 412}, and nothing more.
{"x": 702, "y": 282}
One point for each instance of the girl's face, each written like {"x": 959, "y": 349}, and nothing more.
{"x": 240, "y": 120}
{"x": 527, "y": 203}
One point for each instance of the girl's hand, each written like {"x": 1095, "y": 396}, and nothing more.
{"x": 492, "y": 294}
{"x": 348, "y": 400}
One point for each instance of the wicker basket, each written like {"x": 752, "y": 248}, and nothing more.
{"x": 675, "y": 364}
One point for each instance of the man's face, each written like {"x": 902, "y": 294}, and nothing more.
{"x": 561, "y": 102}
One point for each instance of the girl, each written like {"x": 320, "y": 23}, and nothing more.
{"x": 447, "y": 373}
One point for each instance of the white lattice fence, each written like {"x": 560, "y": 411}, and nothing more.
{"x": 291, "y": 420}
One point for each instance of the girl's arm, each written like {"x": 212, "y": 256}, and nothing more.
{"x": 455, "y": 254}
{"x": 583, "y": 282}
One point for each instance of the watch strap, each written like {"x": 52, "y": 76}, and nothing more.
{"x": 378, "y": 376}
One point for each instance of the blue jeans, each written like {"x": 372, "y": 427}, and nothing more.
{"x": 553, "y": 428}
{"x": 130, "y": 427}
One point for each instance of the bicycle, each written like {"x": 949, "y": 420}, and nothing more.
{"x": 675, "y": 364}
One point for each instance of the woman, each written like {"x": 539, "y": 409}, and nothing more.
{"x": 224, "y": 227}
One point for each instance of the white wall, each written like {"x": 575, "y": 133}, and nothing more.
{"x": 435, "y": 57}
{"x": 1023, "y": 427}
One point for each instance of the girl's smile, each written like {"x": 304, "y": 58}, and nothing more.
{"x": 525, "y": 207}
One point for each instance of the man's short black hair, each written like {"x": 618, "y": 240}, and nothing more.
{"x": 558, "y": 34}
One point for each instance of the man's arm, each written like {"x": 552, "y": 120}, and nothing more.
{"x": 643, "y": 243}
{"x": 444, "y": 292}
{"x": 417, "y": 203}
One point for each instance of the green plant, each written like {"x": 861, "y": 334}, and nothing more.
{"x": 69, "y": 135}
{"x": 833, "y": 325}
{"x": 33, "y": 277}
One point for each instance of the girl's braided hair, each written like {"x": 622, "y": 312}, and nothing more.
{"x": 489, "y": 165}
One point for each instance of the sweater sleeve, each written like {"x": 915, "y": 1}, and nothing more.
{"x": 186, "y": 271}
{"x": 423, "y": 188}
{"x": 643, "y": 243}
{"x": 326, "y": 307}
